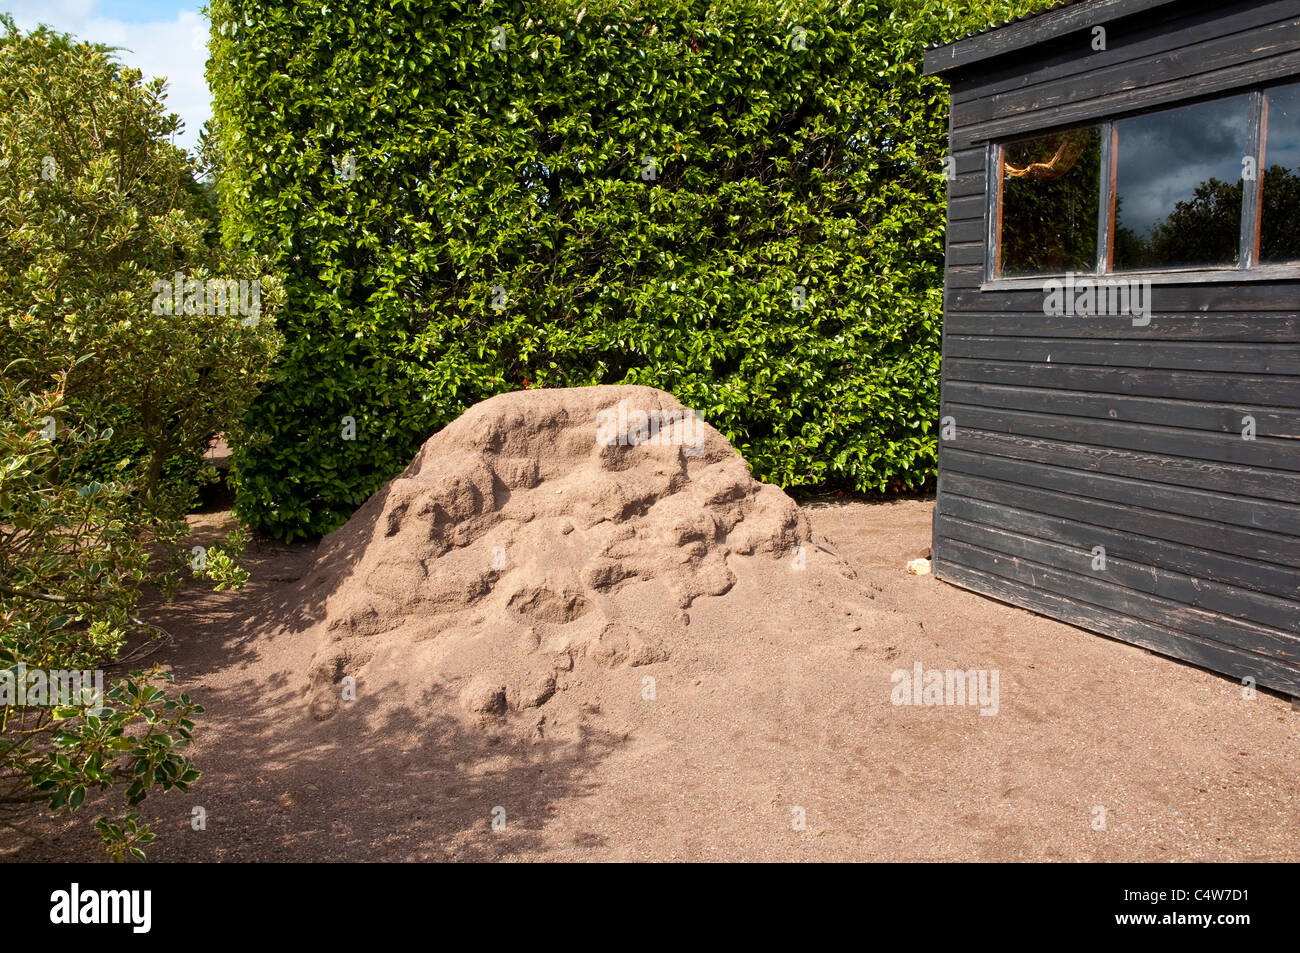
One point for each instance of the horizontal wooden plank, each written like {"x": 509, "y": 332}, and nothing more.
{"x": 1253, "y": 608}
{"x": 1272, "y": 454}
{"x": 1248, "y": 512}
{"x": 968, "y": 207}
{"x": 966, "y": 161}
{"x": 1277, "y": 485}
{"x": 1209, "y": 298}
{"x": 1177, "y": 355}
{"x": 1098, "y": 589}
{"x": 1281, "y": 582}
{"x": 1248, "y": 389}
{"x": 1194, "y": 22}
{"x": 965, "y": 253}
{"x": 1121, "y": 102}
{"x": 958, "y": 277}
{"x": 970, "y": 230}
{"x": 1281, "y": 327}
{"x": 1127, "y": 80}
{"x": 1045, "y": 27}
{"x": 963, "y": 474}
{"x": 1266, "y": 672}
{"x": 972, "y": 183}
{"x": 1197, "y": 415}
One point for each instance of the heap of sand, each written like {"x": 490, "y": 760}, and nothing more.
{"x": 552, "y": 557}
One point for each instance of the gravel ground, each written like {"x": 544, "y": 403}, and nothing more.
{"x": 793, "y": 749}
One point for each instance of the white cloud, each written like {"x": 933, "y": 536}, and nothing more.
{"x": 175, "y": 49}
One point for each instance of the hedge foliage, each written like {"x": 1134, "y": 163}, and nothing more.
{"x": 740, "y": 202}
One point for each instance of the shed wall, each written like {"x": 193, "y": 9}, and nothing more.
{"x": 1081, "y": 432}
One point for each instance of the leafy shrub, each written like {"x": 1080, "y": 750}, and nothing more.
{"x": 96, "y": 206}
{"x": 70, "y": 571}
{"x": 108, "y": 398}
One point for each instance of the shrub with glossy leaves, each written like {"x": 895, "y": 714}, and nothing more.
{"x": 740, "y": 202}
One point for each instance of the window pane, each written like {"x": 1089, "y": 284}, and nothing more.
{"x": 1050, "y": 198}
{"x": 1178, "y": 186}
{"x": 1279, "y": 238}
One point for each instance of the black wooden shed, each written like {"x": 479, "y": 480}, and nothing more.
{"x": 1121, "y": 346}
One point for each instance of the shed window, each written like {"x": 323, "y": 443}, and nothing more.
{"x": 1209, "y": 186}
{"x": 1178, "y": 181}
{"x": 1050, "y": 192}
{"x": 1280, "y": 210}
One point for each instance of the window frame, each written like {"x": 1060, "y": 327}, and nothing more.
{"x": 1248, "y": 266}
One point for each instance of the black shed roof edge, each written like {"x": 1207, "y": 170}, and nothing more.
{"x": 1003, "y": 38}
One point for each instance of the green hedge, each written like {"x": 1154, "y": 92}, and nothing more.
{"x": 793, "y": 146}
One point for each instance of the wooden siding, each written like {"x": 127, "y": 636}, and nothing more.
{"x": 1073, "y": 433}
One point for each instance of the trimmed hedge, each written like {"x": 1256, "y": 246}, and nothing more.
{"x": 630, "y": 192}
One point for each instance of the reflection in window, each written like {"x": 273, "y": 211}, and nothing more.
{"x": 1050, "y": 196}
{"x": 1279, "y": 238}
{"x": 1178, "y": 186}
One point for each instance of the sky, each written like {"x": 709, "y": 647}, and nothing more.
{"x": 160, "y": 37}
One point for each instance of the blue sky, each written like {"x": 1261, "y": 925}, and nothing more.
{"x": 160, "y": 37}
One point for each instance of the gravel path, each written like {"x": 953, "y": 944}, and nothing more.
{"x": 781, "y": 748}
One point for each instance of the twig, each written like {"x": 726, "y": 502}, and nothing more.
{"x": 149, "y": 648}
